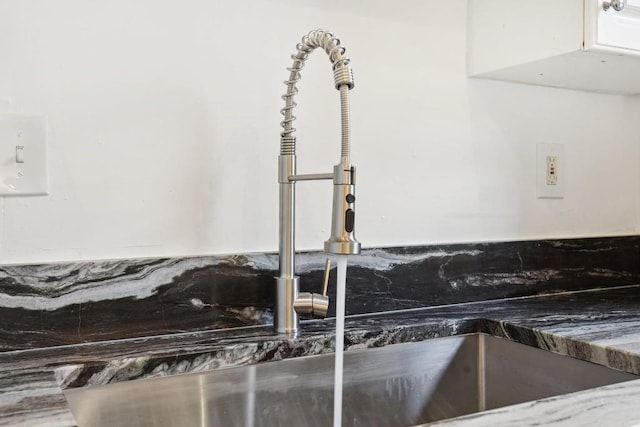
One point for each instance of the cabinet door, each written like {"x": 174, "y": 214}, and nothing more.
{"x": 612, "y": 31}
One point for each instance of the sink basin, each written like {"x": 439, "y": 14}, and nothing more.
{"x": 398, "y": 385}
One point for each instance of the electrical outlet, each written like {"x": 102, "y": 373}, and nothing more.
{"x": 552, "y": 170}
{"x": 551, "y": 166}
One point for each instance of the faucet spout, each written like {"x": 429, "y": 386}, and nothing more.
{"x": 342, "y": 239}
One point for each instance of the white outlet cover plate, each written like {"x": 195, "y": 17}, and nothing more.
{"x": 28, "y": 178}
{"x": 545, "y": 191}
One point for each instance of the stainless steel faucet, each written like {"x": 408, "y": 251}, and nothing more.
{"x": 290, "y": 303}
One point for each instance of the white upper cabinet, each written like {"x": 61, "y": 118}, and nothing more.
{"x": 574, "y": 44}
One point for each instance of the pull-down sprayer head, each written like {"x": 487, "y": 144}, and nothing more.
{"x": 343, "y": 240}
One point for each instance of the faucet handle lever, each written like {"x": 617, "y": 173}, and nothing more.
{"x": 314, "y": 304}
{"x": 327, "y": 269}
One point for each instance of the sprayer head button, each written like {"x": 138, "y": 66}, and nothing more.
{"x": 349, "y": 219}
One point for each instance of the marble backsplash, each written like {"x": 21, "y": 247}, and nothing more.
{"x": 59, "y": 304}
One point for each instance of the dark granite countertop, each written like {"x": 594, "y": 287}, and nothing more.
{"x": 600, "y": 325}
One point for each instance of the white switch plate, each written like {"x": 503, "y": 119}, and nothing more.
{"x": 30, "y": 176}
{"x": 551, "y": 166}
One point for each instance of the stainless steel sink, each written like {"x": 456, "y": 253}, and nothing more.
{"x": 398, "y": 385}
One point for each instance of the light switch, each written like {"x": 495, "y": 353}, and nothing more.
{"x": 23, "y": 155}
{"x": 20, "y": 154}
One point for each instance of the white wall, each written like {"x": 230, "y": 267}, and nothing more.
{"x": 164, "y": 125}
